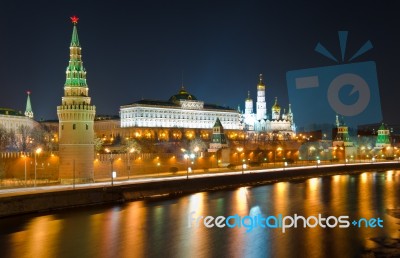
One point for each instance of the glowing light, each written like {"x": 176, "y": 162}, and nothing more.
{"x": 74, "y": 19}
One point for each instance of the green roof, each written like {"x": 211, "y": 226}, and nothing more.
{"x": 75, "y": 39}
{"x": 10, "y": 112}
{"x": 76, "y": 73}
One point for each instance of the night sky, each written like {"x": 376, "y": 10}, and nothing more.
{"x": 140, "y": 49}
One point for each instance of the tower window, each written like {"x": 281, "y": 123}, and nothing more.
{"x": 74, "y": 126}
{"x": 62, "y": 127}
{"x": 87, "y": 127}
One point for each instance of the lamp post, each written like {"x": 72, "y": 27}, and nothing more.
{"x": 186, "y": 156}
{"x": 310, "y": 149}
{"x": 111, "y": 163}
{"x": 37, "y": 151}
{"x": 239, "y": 149}
{"x": 243, "y": 166}
{"x": 129, "y": 158}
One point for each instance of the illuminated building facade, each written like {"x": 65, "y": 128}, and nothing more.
{"x": 182, "y": 110}
{"x": 12, "y": 120}
{"x": 281, "y": 124}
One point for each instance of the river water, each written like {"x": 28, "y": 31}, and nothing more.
{"x": 160, "y": 228}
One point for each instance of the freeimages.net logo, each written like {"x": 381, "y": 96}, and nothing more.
{"x": 347, "y": 89}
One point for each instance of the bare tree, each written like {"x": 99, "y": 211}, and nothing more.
{"x": 3, "y": 138}
{"x": 197, "y": 143}
{"x": 98, "y": 143}
{"x": 132, "y": 144}
{"x": 24, "y": 133}
{"x": 12, "y": 140}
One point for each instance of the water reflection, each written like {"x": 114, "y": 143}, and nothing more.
{"x": 160, "y": 228}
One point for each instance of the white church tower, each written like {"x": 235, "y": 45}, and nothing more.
{"x": 261, "y": 104}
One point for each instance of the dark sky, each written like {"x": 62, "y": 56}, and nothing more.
{"x": 138, "y": 49}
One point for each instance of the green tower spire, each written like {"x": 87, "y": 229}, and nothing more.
{"x": 75, "y": 38}
{"x": 28, "y": 109}
{"x": 76, "y": 73}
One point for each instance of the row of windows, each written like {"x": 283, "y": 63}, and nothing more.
{"x": 141, "y": 112}
{"x": 74, "y": 127}
{"x": 228, "y": 118}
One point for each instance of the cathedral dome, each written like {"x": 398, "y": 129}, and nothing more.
{"x": 248, "y": 99}
{"x": 260, "y": 85}
{"x": 276, "y": 106}
{"x": 182, "y": 95}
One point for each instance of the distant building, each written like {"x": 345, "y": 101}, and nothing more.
{"x": 218, "y": 139}
{"x": 383, "y": 138}
{"x": 342, "y": 140}
{"x": 219, "y": 144}
{"x": 280, "y": 124}
{"x": 182, "y": 110}
{"x": 12, "y": 120}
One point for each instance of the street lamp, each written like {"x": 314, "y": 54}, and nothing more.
{"x": 239, "y": 149}
{"x": 186, "y": 156}
{"x": 129, "y": 158}
{"x": 244, "y": 166}
{"x": 37, "y": 152}
{"x": 111, "y": 163}
{"x": 312, "y": 148}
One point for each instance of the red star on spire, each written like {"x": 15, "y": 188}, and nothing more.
{"x": 28, "y": 92}
{"x": 74, "y": 19}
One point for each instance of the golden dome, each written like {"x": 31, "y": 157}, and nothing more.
{"x": 248, "y": 97}
{"x": 261, "y": 85}
{"x": 276, "y": 106}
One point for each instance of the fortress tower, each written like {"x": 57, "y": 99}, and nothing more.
{"x": 76, "y": 118}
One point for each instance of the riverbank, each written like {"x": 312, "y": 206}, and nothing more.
{"x": 29, "y": 202}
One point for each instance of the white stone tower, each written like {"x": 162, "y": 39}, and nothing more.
{"x": 261, "y": 104}
{"x": 76, "y": 118}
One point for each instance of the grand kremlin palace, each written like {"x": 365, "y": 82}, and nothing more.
{"x": 180, "y": 117}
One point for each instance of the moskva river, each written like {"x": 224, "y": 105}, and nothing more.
{"x": 336, "y": 216}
